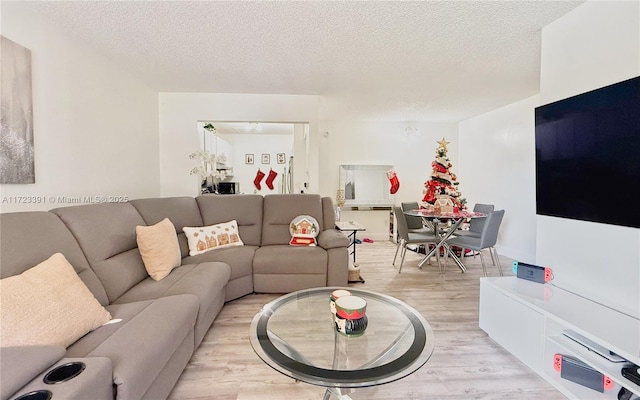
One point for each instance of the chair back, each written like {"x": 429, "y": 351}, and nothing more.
{"x": 483, "y": 208}
{"x": 489, "y": 235}
{"x": 413, "y": 222}
{"x": 477, "y": 224}
{"x": 401, "y": 223}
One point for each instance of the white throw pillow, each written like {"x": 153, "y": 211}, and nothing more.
{"x": 47, "y": 305}
{"x": 218, "y": 236}
{"x": 159, "y": 248}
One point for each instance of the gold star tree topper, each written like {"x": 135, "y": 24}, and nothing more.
{"x": 443, "y": 143}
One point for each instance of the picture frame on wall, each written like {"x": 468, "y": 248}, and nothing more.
{"x": 266, "y": 158}
{"x": 248, "y": 158}
{"x": 16, "y": 107}
{"x": 281, "y": 158}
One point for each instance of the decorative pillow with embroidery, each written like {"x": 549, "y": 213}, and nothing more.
{"x": 159, "y": 248}
{"x": 48, "y": 305}
{"x": 204, "y": 238}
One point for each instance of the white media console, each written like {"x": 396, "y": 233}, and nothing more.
{"x": 528, "y": 319}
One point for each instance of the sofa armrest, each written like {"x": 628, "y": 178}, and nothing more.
{"x": 332, "y": 238}
{"x": 94, "y": 381}
{"x": 19, "y": 365}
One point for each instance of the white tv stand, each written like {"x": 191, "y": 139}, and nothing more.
{"x": 528, "y": 318}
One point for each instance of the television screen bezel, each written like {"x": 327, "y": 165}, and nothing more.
{"x": 620, "y": 216}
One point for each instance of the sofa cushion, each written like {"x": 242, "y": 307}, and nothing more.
{"x": 240, "y": 259}
{"x": 20, "y": 231}
{"x": 47, "y": 305}
{"x": 142, "y": 343}
{"x": 285, "y": 259}
{"x": 284, "y": 268}
{"x": 281, "y": 209}
{"x": 213, "y": 237}
{"x": 246, "y": 209}
{"x": 159, "y": 248}
{"x": 107, "y": 235}
{"x": 182, "y": 211}
{"x": 207, "y": 281}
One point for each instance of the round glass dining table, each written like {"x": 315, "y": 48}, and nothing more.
{"x": 296, "y": 335}
{"x": 456, "y": 219}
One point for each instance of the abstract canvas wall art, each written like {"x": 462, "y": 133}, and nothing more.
{"x": 16, "y": 114}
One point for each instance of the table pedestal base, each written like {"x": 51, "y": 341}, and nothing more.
{"x": 337, "y": 393}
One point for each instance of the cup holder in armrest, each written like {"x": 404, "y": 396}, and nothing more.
{"x": 64, "y": 372}
{"x": 36, "y": 395}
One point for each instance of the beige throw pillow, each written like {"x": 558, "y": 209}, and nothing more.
{"x": 159, "y": 248}
{"x": 47, "y": 305}
{"x": 218, "y": 236}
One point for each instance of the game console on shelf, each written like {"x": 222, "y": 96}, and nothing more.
{"x": 532, "y": 272}
{"x": 576, "y": 371}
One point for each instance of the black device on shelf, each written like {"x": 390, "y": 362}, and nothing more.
{"x": 632, "y": 374}
{"x": 574, "y": 370}
{"x": 228, "y": 188}
{"x": 587, "y": 150}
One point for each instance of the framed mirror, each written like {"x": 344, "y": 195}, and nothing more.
{"x": 365, "y": 185}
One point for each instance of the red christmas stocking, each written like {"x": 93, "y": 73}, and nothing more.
{"x": 393, "y": 178}
{"x": 270, "y": 178}
{"x": 258, "y": 178}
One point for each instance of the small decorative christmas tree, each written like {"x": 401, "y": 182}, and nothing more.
{"x": 443, "y": 183}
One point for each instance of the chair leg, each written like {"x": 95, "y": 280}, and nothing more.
{"x": 493, "y": 260}
{"x": 404, "y": 252}
{"x": 484, "y": 268}
{"x": 426, "y": 250}
{"x": 396, "y": 255}
{"x": 443, "y": 264}
{"x": 498, "y": 259}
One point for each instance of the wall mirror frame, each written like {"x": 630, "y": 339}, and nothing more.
{"x": 366, "y": 185}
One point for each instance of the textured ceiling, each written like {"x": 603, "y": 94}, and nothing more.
{"x": 413, "y": 61}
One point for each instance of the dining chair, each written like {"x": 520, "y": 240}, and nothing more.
{"x": 487, "y": 239}
{"x": 476, "y": 224}
{"x": 415, "y": 224}
{"x": 406, "y": 238}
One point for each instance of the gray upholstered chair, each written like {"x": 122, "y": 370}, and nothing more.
{"x": 406, "y": 238}
{"x": 416, "y": 224}
{"x": 476, "y": 224}
{"x": 413, "y": 223}
{"x": 487, "y": 240}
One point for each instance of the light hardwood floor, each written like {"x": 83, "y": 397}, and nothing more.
{"x": 466, "y": 363}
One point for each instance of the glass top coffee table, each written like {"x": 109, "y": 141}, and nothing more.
{"x": 295, "y": 334}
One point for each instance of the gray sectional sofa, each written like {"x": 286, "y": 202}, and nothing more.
{"x": 159, "y": 324}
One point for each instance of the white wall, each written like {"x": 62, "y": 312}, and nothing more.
{"x": 595, "y": 45}
{"x": 179, "y": 136}
{"x": 497, "y": 166}
{"x": 387, "y": 143}
{"x": 95, "y": 126}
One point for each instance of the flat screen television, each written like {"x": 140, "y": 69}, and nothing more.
{"x": 588, "y": 156}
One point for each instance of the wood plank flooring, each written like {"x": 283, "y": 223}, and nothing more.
{"x": 466, "y": 363}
